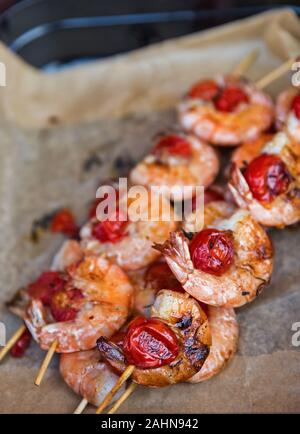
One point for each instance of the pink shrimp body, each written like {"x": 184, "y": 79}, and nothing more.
{"x": 284, "y": 209}
{"x": 134, "y": 250}
{"x": 285, "y": 118}
{"x": 102, "y": 308}
{"x": 243, "y": 281}
{"x": 224, "y": 333}
{"x": 246, "y": 122}
{"x": 88, "y": 376}
{"x": 199, "y": 168}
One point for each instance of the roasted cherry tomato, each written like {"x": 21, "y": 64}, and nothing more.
{"x": 295, "y": 106}
{"x": 267, "y": 177}
{"x": 212, "y": 251}
{"x": 64, "y": 222}
{"x": 21, "y": 345}
{"x": 150, "y": 343}
{"x": 204, "y": 89}
{"x": 62, "y": 304}
{"x": 173, "y": 145}
{"x": 159, "y": 276}
{"x": 230, "y": 98}
{"x": 112, "y": 230}
{"x": 46, "y": 285}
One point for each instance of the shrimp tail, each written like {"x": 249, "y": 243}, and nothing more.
{"x": 239, "y": 187}
{"x": 112, "y": 353}
{"x": 177, "y": 254}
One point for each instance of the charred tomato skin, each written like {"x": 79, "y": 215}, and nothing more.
{"x": 149, "y": 343}
{"x": 212, "y": 251}
{"x": 267, "y": 177}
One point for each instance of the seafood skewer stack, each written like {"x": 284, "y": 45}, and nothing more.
{"x": 153, "y": 301}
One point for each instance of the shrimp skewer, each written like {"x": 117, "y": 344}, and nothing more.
{"x": 226, "y": 265}
{"x": 131, "y": 247}
{"x": 177, "y": 160}
{"x": 269, "y": 187}
{"x": 94, "y": 300}
{"x": 182, "y": 341}
{"x": 226, "y": 111}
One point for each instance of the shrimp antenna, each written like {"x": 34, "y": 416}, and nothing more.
{"x": 46, "y": 363}
{"x": 245, "y": 63}
{"x": 275, "y": 74}
{"x": 131, "y": 388}
{"x": 12, "y": 341}
{"x": 124, "y": 377}
{"x": 81, "y": 406}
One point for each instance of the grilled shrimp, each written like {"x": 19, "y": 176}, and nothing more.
{"x": 224, "y": 333}
{"x": 287, "y": 113}
{"x": 130, "y": 242}
{"x": 269, "y": 187}
{"x": 245, "y": 153}
{"x": 148, "y": 281}
{"x": 226, "y": 265}
{"x": 177, "y": 160}
{"x": 168, "y": 348}
{"x": 88, "y": 375}
{"x": 213, "y": 211}
{"x": 226, "y": 111}
{"x": 69, "y": 253}
{"x": 89, "y": 299}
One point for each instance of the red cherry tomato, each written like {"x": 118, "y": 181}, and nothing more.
{"x": 64, "y": 222}
{"x": 173, "y": 145}
{"x": 112, "y": 230}
{"x": 150, "y": 343}
{"x": 230, "y": 98}
{"x": 267, "y": 177}
{"x": 204, "y": 89}
{"x": 46, "y": 285}
{"x": 212, "y": 251}
{"x": 159, "y": 276}
{"x": 295, "y": 106}
{"x": 62, "y": 304}
{"x": 21, "y": 345}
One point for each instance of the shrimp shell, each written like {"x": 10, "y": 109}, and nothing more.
{"x": 247, "y": 122}
{"x": 225, "y": 332}
{"x": 250, "y": 271}
{"x": 88, "y": 376}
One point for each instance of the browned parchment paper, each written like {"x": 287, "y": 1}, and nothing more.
{"x": 53, "y": 125}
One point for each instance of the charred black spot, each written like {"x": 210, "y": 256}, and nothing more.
{"x": 260, "y": 288}
{"x": 188, "y": 235}
{"x": 109, "y": 350}
{"x": 185, "y": 322}
{"x": 175, "y": 363}
{"x": 197, "y": 354}
{"x": 41, "y": 223}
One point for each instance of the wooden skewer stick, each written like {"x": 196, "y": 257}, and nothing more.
{"x": 81, "y": 406}
{"x": 45, "y": 363}
{"x": 123, "y": 398}
{"x": 245, "y": 63}
{"x": 12, "y": 341}
{"x": 126, "y": 374}
{"x": 276, "y": 73}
